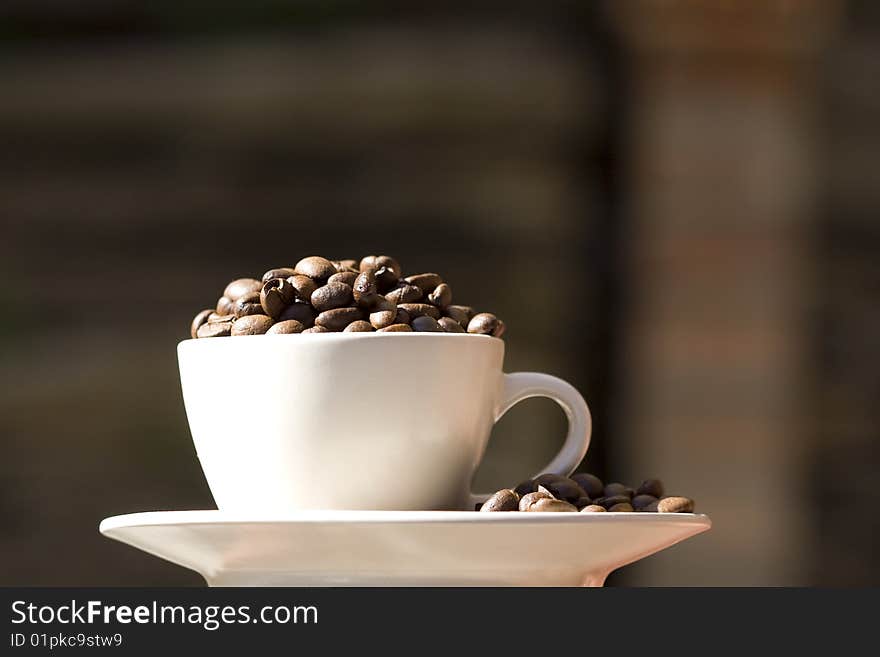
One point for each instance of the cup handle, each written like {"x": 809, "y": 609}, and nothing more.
{"x": 524, "y": 385}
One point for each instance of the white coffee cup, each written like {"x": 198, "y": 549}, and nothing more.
{"x": 356, "y": 420}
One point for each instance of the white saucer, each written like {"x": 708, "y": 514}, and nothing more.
{"x": 403, "y": 548}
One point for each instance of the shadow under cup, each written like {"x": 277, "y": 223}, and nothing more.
{"x": 345, "y": 421}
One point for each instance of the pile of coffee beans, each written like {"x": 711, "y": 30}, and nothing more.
{"x": 585, "y": 493}
{"x": 323, "y": 296}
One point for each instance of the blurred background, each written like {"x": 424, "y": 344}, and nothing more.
{"x": 673, "y": 204}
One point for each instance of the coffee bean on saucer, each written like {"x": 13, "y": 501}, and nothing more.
{"x": 652, "y": 487}
{"x": 425, "y": 282}
{"x": 590, "y": 483}
{"x": 419, "y": 309}
{"x": 286, "y": 327}
{"x": 450, "y": 325}
{"x": 610, "y": 501}
{"x": 426, "y": 324}
{"x": 276, "y": 295}
{"x": 225, "y": 306}
{"x": 500, "y": 329}
{"x": 651, "y": 508}
{"x": 317, "y": 329}
{"x": 641, "y": 501}
{"x": 616, "y": 489}
{"x": 384, "y": 315}
{"x": 301, "y": 312}
{"x": 565, "y": 489}
{"x": 337, "y": 319}
{"x": 395, "y": 328}
{"x": 546, "y": 504}
{"x": 214, "y": 330}
{"x": 547, "y": 477}
{"x": 242, "y": 286}
{"x": 675, "y": 505}
{"x": 278, "y": 272}
{"x": 623, "y": 507}
{"x": 581, "y": 502}
{"x": 458, "y": 315}
{"x": 402, "y": 317}
{"x": 251, "y": 325}
{"x": 214, "y": 318}
{"x": 316, "y": 268}
{"x": 404, "y": 294}
{"x": 441, "y": 296}
{"x": 385, "y": 268}
{"x": 528, "y": 499}
{"x": 330, "y": 296}
{"x": 593, "y": 508}
{"x": 503, "y": 500}
{"x": 347, "y": 277}
{"x": 525, "y": 487}
{"x": 359, "y": 326}
{"x": 249, "y": 304}
{"x": 198, "y": 320}
{"x": 365, "y": 290}
{"x": 483, "y": 323}
{"x": 303, "y": 285}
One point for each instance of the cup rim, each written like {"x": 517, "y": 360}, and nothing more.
{"x": 354, "y": 335}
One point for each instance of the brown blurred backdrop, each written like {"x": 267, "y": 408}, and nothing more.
{"x": 685, "y": 193}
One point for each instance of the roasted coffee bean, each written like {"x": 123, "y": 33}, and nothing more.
{"x": 366, "y": 290}
{"x": 590, "y": 483}
{"x": 301, "y": 312}
{"x": 418, "y": 309}
{"x": 556, "y": 506}
{"x": 548, "y": 477}
{"x": 441, "y": 296}
{"x": 198, "y": 321}
{"x": 315, "y": 267}
{"x": 214, "y": 329}
{"x": 395, "y": 328}
{"x": 404, "y": 294}
{"x": 530, "y": 498}
{"x": 402, "y": 317}
{"x": 456, "y": 314}
{"x": 347, "y": 277}
{"x": 276, "y": 295}
{"x": 500, "y": 329}
{"x": 581, "y": 502}
{"x": 611, "y": 500}
{"x": 242, "y": 286}
{"x": 345, "y": 265}
{"x": 285, "y": 327}
{"x": 251, "y": 325}
{"x": 225, "y": 306}
{"x": 641, "y": 501}
{"x": 527, "y": 486}
{"x": 278, "y": 272}
{"x": 503, "y": 500}
{"x": 652, "y": 487}
{"x": 675, "y": 505}
{"x": 317, "y": 329}
{"x": 483, "y": 323}
{"x": 337, "y": 319}
{"x": 425, "y": 324}
{"x": 303, "y": 285}
{"x": 616, "y": 489}
{"x": 450, "y": 325}
{"x": 565, "y": 489}
{"x": 330, "y": 296}
{"x": 385, "y": 268}
{"x": 623, "y": 507}
{"x": 214, "y": 318}
{"x": 384, "y": 315}
{"x": 651, "y": 508}
{"x": 249, "y": 304}
{"x": 593, "y": 508}
{"x": 359, "y": 326}
{"x": 425, "y": 282}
